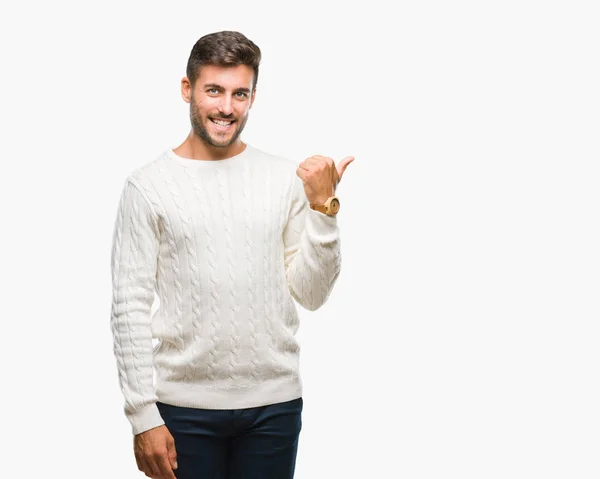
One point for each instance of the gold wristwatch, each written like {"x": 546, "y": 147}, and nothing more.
{"x": 330, "y": 208}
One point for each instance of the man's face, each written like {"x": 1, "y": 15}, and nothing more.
{"x": 220, "y": 102}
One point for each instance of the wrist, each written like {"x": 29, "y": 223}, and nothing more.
{"x": 329, "y": 207}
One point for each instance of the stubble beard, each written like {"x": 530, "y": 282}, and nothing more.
{"x": 200, "y": 129}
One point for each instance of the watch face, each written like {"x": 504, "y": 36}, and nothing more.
{"x": 335, "y": 205}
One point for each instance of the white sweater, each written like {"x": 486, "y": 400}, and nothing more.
{"x": 227, "y": 246}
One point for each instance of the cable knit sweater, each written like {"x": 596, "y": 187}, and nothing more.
{"x": 227, "y": 246}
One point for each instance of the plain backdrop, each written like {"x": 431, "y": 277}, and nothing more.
{"x": 462, "y": 337}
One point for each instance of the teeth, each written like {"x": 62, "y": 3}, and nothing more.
{"x": 222, "y": 122}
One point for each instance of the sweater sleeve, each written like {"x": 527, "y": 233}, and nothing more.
{"x": 311, "y": 251}
{"x": 134, "y": 265}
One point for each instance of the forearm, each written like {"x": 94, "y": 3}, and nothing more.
{"x": 133, "y": 352}
{"x": 314, "y": 266}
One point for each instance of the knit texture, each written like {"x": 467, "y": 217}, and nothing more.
{"x": 227, "y": 248}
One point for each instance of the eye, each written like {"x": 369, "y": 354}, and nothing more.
{"x": 212, "y": 91}
{"x": 242, "y": 94}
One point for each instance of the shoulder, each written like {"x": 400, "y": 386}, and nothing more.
{"x": 148, "y": 168}
{"x": 276, "y": 162}
{"x": 146, "y": 173}
{"x": 284, "y": 168}
{"x": 145, "y": 177}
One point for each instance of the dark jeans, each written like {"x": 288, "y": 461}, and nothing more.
{"x": 254, "y": 443}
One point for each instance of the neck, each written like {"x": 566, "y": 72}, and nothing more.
{"x": 196, "y": 148}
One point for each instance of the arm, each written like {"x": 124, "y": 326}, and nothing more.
{"x": 311, "y": 251}
{"x": 133, "y": 264}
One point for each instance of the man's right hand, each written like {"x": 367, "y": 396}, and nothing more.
{"x": 155, "y": 453}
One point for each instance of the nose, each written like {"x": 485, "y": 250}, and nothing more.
{"x": 226, "y": 105}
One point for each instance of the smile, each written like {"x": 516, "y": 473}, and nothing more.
{"x": 222, "y": 125}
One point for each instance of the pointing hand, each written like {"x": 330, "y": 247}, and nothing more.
{"x": 320, "y": 176}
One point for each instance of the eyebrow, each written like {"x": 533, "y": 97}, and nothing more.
{"x": 215, "y": 85}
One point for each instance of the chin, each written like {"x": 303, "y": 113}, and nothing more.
{"x": 220, "y": 142}
{"x": 217, "y": 142}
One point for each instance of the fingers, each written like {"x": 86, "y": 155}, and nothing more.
{"x": 321, "y": 158}
{"x": 146, "y": 466}
{"x": 165, "y": 468}
{"x": 325, "y": 160}
{"x": 310, "y": 166}
{"x": 157, "y": 466}
{"x": 155, "y": 453}
{"x": 154, "y": 467}
{"x": 301, "y": 173}
{"x": 144, "y": 463}
{"x": 172, "y": 453}
{"x": 139, "y": 462}
{"x": 315, "y": 162}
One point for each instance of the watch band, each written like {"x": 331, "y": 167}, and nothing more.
{"x": 319, "y": 208}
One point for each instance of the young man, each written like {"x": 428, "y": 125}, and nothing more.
{"x": 228, "y": 236}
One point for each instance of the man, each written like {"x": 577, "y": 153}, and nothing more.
{"x": 228, "y": 236}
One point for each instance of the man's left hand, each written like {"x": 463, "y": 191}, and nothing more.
{"x": 320, "y": 176}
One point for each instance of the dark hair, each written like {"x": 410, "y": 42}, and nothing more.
{"x": 224, "y": 49}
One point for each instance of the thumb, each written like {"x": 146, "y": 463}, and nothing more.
{"x": 172, "y": 454}
{"x": 342, "y": 165}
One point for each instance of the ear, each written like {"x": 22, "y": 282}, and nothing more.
{"x": 253, "y": 97}
{"x": 186, "y": 90}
